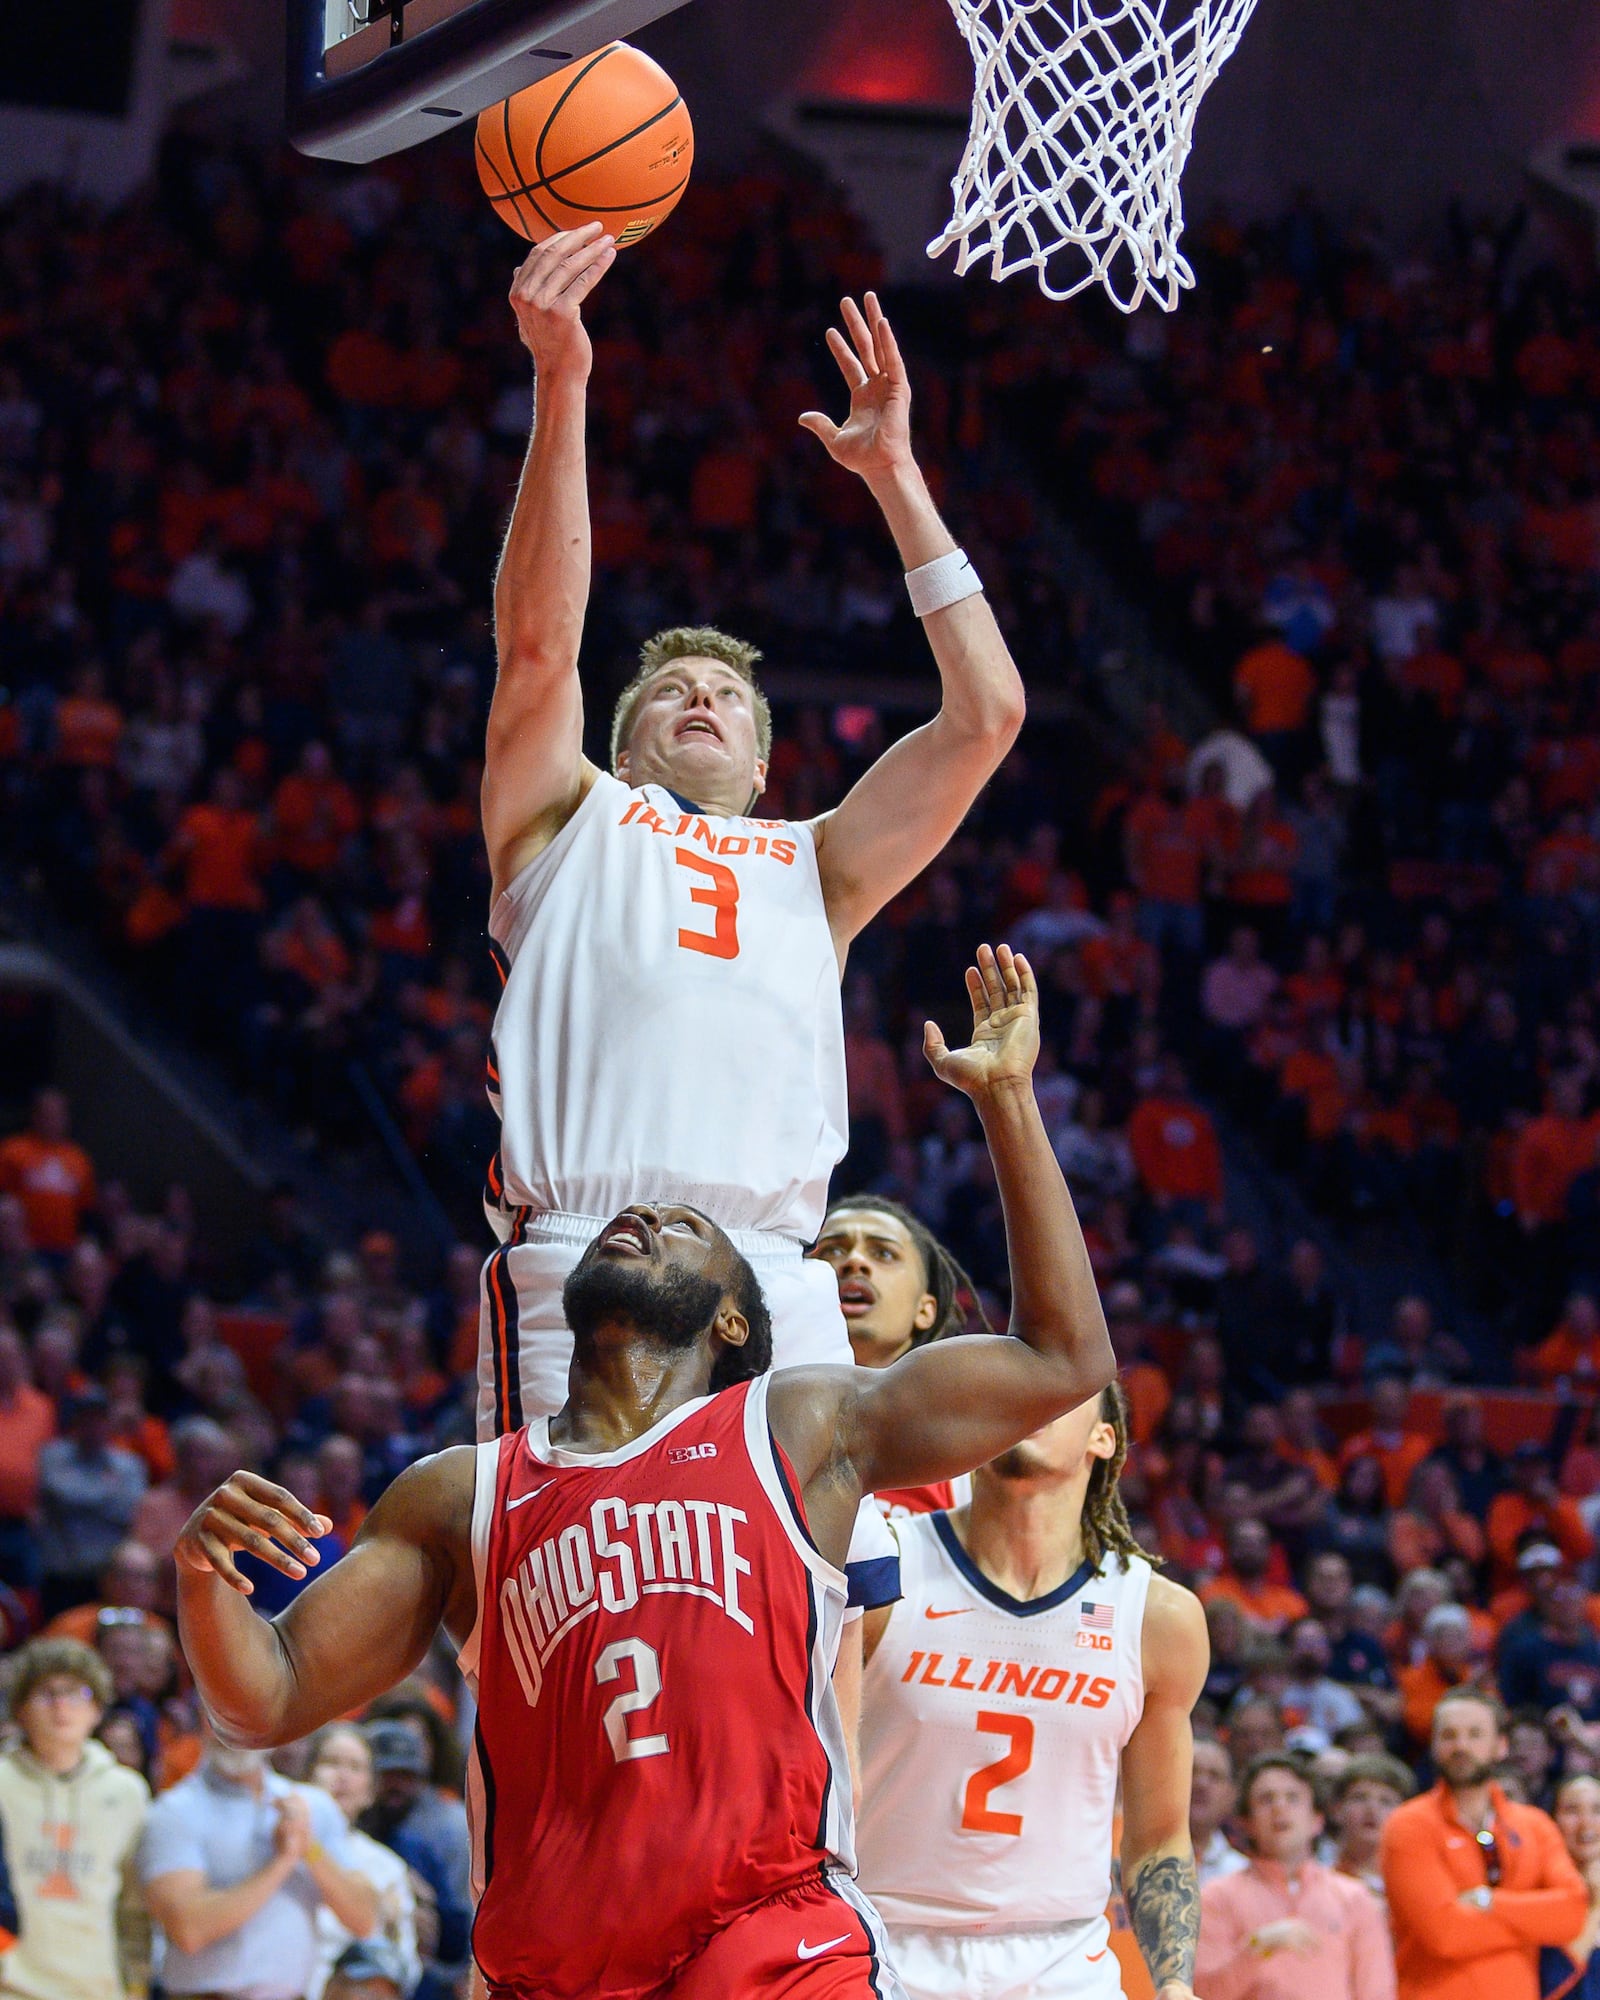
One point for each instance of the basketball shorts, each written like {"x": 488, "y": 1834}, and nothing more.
{"x": 525, "y": 1350}
{"x": 821, "y": 1941}
{"x": 1061, "y": 1962}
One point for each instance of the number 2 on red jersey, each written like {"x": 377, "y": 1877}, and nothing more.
{"x": 977, "y": 1816}
{"x": 721, "y": 894}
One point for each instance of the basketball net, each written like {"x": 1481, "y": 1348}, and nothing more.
{"x": 1082, "y": 118}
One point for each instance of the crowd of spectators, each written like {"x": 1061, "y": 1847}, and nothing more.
{"x": 1359, "y": 492}
{"x": 257, "y": 435}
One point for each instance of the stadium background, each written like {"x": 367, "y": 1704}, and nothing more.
{"x": 1324, "y": 1070}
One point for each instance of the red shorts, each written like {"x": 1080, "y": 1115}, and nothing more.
{"x": 822, "y": 1941}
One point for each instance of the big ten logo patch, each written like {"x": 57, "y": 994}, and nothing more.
{"x": 687, "y": 1454}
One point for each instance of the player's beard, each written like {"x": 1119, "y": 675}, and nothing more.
{"x": 674, "y": 1310}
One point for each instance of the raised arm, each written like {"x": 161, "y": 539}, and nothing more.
{"x": 535, "y": 774}
{"x": 955, "y": 1404}
{"x": 354, "y": 1632}
{"x": 1158, "y": 1872}
{"x": 902, "y": 812}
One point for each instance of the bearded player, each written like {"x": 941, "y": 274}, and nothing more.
{"x": 1033, "y": 1658}
{"x": 646, "y": 1588}
{"x": 670, "y": 1027}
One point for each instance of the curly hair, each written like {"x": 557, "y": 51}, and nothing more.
{"x": 43, "y": 1659}
{"x": 744, "y": 1364}
{"x": 691, "y": 642}
{"x": 1106, "y": 1527}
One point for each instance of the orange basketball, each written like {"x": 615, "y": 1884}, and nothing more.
{"x": 606, "y": 139}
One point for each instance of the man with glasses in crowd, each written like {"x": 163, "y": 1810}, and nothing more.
{"x": 1476, "y": 1882}
{"x": 70, "y": 1816}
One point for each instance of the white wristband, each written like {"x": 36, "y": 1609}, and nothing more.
{"x": 942, "y": 582}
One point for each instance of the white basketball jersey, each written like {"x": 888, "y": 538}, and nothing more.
{"x": 991, "y": 1736}
{"x": 670, "y": 1026}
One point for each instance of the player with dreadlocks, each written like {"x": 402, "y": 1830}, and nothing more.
{"x": 1034, "y": 1658}
{"x": 899, "y": 1288}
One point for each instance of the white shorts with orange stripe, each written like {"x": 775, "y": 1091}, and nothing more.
{"x": 525, "y": 1349}
{"x": 1063, "y": 1962}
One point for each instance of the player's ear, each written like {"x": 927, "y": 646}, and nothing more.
{"x": 1103, "y": 1441}
{"x": 621, "y": 770}
{"x": 730, "y": 1325}
{"x": 926, "y": 1313}
{"x": 760, "y": 781}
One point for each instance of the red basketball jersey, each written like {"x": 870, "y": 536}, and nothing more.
{"x": 657, "y": 1747}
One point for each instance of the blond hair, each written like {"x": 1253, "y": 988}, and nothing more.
{"x": 691, "y": 642}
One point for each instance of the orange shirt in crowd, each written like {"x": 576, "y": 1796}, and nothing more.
{"x": 148, "y": 1439}
{"x": 1276, "y": 685}
{"x": 1399, "y": 1456}
{"x": 1308, "y": 1458}
{"x": 221, "y": 851}
{"x": 1510, "y": 1517}
{"x": 1166, "y": 857}
{"x": 27, "y": 1423}
{"x": 81, "y": 1621}
{"x": 1149, "y": 1395}
{"x": 1273, "y": 1605}
{"x": 314, "y": 818}
{"x": 1418, "y": 1542}
{"x": 1447, "y": 1950}
{"x": 54, "y": 1181}
{"x": 1174, "y": 1147}
{"x": 1547, "y": 1156}
{"x": 1422, "y": 1687}
{"x": 88, "y": 730}
{"x": 1563, "y": 1353}
{"x": 1313, "y": 1076}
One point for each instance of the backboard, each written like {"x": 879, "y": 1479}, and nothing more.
{"x": 370, "y": 77}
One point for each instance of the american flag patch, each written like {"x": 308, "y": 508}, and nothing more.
{"x": 1095, "y": 1617}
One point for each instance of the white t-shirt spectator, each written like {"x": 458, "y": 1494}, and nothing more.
{"x": 226, "y": 1832}
{"x": 1235, "y": 995}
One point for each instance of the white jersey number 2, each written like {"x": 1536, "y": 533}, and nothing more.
{"x": 646, "y": 1686}
{"x": 977, "y": 1815}
{"x": 720, "y": 893}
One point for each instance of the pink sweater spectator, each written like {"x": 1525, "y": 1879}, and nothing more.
{"x": 1352, "y": 1962}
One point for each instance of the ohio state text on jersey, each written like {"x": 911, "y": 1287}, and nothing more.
{"x": 991, "y": 1738}
{"x": 657, "y": 1732}
{"x": 670, "y": 1027}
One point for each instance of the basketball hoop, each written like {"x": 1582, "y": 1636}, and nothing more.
{"x": 1082, "y": 118}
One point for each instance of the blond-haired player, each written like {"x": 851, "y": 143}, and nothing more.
{"x": 670, "y": 1026}
{"x": 1034, "y": 1659}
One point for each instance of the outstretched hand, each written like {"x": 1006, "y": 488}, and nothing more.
{"x": 548, "y": 292}
{"x": 249, "y": 1512}
{"x": 1005, "y": 1027}
{"x": 875, "y": 439}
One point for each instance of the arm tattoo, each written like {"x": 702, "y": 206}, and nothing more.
{"x": 1164, "y": 1905}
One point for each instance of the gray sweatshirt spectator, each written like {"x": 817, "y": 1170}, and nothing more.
{"x": 88, "y": 1490}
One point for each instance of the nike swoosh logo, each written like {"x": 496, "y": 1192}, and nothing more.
{"x": 1094, "y": 1957}
{"x": 526, "y": 1497}
{"x": 960, "y": 1611}
{"x": 804, "y": 1950}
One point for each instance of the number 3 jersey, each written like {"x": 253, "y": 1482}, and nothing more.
{"x": 657, "y": 1747}
{"x": 670, "y": 1027}
{"x": 992, "y": 1730}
